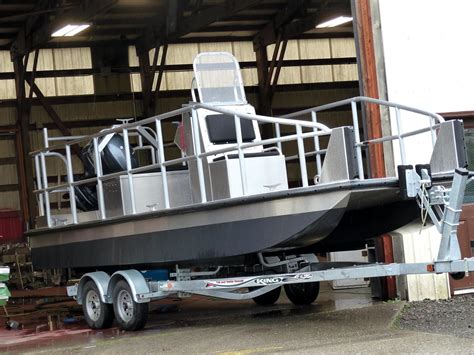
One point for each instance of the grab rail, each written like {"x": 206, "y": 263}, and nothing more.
{"x": 355, "y": 121}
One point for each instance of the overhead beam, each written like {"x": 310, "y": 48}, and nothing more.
{"x": 8, "y": 161}
{"x": 268, "y": 35}
{"x": 101, "y": 31}
{"x": 342, "y": 32}
{"x": 297, "y": 26}
{"x": 52, "y": 114}
{"x": 156, "y": 33}
{"x": 9, "y": 187}
{"x": 161, "y": 71}
{"x": 28, "y": 40}
{"x": 10, "y": 25}
{"x": 84, "y": 99}
{"x": 177, "y": 68}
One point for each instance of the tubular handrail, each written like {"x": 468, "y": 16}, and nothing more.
{"x": 177, "y": 161}
{"x": 367, "y": 99}
{"x": 186, "y": 109}
{"x": 117, "y": 129}
{"x": 159, "y": 161}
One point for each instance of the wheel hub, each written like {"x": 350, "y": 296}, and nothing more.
{"x": 125, "y": 305}
{"x": 93, "y": 305}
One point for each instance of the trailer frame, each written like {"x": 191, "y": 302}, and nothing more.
{"x": 441, "y": 204}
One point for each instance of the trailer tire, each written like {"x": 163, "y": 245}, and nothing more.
{"x": 269, "y": 298}
{"x": 458, "y": 275}
{"x": 302, "y": 294}
{"x": 98, "y": 315}
{"x": 130, "y": 315}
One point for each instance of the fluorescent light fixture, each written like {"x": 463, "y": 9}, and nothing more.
{"x": 335, "y": 22}
{"x": 70, "y": 30}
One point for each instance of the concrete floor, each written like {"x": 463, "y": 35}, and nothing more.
{"x": 340, "y": 321}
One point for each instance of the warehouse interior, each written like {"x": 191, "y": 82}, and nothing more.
{"x": 76, "y": 67}
{"x": 134, "y": 62}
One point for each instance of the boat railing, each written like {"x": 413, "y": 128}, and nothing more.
{"x": 314, "y": 130}
{"x": 433, "y": 123}
{"x": 44, "y": 189}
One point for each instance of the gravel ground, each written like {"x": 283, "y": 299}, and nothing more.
{"x": 454, "y": 316}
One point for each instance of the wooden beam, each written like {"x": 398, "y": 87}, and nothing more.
{"x": 92, "y": 41}
{"x": 9, "y": 187}
{"x": 8, "y": 129}
{"x": 261, "y": 59}
{"x": 274, "y": 80}
{"x": 271, "y": 33}
{"x": 156, "y": 33}
{"x": 33, "y": 73}
{"x": 161, "y": 71}
{"x": 22, "y": 147}
{"x": 83, "y": 99}
{"x": 8, "y": 161}
{"x": 146, "y": 77}
{"x": 53, "y": 114}
{"x": 373, "y": 122}
{"x": 176, "y": 67}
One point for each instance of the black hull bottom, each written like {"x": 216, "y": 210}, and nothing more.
{"x": 358, "y": 226}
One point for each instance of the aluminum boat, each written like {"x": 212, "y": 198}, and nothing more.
{"x": 227, "y": 197}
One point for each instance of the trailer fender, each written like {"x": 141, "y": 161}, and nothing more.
{"x": 101, "y": 279}
{"x": 135, "y": 280}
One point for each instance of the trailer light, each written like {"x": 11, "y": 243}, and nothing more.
{"x": 70, "y": 30}
{"x": 335, "y": 22}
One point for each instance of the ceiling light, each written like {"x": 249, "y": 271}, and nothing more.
{"x": 70, "y": 30}
{"x": 335, "y": 22}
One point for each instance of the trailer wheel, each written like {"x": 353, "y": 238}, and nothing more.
{"x": 303, "y": 293}
{"x": 98, "y": 315}
{"x": 457, "y": 275}
{"x": 129, "y": 314}
{"x": 269, "y": 298}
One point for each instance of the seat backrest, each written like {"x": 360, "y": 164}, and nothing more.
{"x": 218, "y": 78}
{"x": 221, "y": 129}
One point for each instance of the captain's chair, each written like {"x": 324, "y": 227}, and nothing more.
{"x": 219, "y": 83}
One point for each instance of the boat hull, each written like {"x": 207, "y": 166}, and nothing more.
{"x": 192, "y": 235}
{"x": 314, "y": 219}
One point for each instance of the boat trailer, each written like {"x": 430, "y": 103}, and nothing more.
{"x": 442, "y": 205}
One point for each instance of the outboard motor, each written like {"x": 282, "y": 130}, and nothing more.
{"x": 113, "y": 160}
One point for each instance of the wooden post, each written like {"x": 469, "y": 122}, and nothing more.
{"x": 25, "y": 175}
{"x": 368, "y": 71}
{"x": 373, "y": 122}
{"x": 146, "y": 77}
{"x": 22, "y": 180}
{"x": 264, "y": 103}
{"x": 264, "y": 107}
{"x": 161, "y": 71}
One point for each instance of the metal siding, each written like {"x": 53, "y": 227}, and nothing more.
{"x": 10, "y": 199}
{"x": 342, "y": 47}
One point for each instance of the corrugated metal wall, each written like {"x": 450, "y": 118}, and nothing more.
{"x": 79, "y": 58}
{"x": 243, "y": 51}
